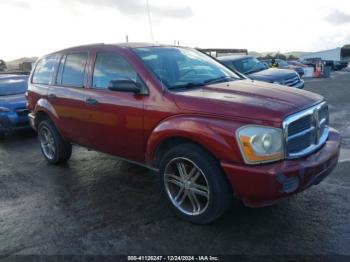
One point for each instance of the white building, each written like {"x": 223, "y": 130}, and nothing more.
{"x": 336, "y": 54}
{"x": 331, "y": 54}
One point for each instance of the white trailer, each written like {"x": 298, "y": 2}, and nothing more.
{"x": 336, "y": 54}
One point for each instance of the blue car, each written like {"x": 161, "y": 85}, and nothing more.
{"x": 13, "y": 111}
{"x": 256, "y": 70}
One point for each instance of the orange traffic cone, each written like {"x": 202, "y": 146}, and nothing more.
{"x": 317, "y": 72}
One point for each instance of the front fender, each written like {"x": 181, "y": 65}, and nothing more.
{"x": 215, "y": 135}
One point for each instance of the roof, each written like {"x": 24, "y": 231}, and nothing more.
{"x": 120, "y": 45}
{"x": 224, "y": 50}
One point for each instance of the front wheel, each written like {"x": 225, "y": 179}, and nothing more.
{"x": 194, "y": 184}
{"x": 53, "y": 147}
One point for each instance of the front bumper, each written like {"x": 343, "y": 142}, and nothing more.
{"x": 300, "y": 84}
{"x": 12, "y": 122}
{"x": 264, "y": 184}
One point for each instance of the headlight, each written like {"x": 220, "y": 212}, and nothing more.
{"x": 4, "y": 109}
{"x": 260, "y": 144}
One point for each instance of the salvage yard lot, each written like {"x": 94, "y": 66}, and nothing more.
{"x": 97, "y": 204}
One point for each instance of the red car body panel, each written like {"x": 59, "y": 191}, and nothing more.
{"x": 133, "y": 126}
{"x": 269, "y": 179}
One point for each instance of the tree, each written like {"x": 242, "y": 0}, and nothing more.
{"x": 2, "y": 65}
{"x": 292, "y": 57}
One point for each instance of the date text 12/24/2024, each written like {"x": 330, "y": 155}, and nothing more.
{"x": 173, "y": 258}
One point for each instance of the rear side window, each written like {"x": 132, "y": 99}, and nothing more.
{"x": 43, "y": 71}
{"x": 111, "y": 66}
{"x": 72, "y": 70}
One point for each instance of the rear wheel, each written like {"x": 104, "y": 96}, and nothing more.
{"x": 194, "y": 184}
{"x": 53, "y": 147}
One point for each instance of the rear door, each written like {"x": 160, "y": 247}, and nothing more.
{"x": 67, "y": 95}
{"x": 115, "y": 117}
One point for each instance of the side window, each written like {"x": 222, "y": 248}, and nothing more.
{"x": 72, "y": 70}
{"x": 44, "y": 70}
{"x": 111, "y": 66}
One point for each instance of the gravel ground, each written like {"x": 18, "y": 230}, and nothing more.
{"x": 98, "y": 205}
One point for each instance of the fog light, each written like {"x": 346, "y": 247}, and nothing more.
{"x": 290, "y": 184}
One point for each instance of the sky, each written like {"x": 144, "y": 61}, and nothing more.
{"x": 37, "y": 27}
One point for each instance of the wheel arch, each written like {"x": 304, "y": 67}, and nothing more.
{"x": 169, "y": 142}
{"x": 210, "y": 135}
{"x": 44, "y": 110}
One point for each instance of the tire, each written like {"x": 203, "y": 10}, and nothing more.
{"x": 204, "y": 195}
{"x": 54, "y": 148}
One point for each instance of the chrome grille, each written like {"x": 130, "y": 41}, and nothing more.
{"x": 306, "y": 131}
{"x": 292, "y": 81}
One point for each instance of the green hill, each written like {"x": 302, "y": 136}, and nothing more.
{"x": 14, "y": 64}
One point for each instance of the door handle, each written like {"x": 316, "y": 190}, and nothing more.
{"x": 52, "y": 96}
{"x": 91, "y": 101}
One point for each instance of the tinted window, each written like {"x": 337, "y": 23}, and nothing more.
{"x": 282, "y": 63}
{"x": 73, "y": 70}
{"x": 43, "y": 70}
{"x": 111, "y": 66}
{"x": 248, "y": 65}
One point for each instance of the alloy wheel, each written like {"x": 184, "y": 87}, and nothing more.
{"x": 186, "y": 186}
{"x": 47, "y": 142}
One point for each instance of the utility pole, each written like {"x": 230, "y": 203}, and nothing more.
{"x": 150, "y": 21}
{"x": 127, "y": 38}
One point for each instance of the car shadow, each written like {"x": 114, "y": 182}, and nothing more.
{"x": 19, "y": 135}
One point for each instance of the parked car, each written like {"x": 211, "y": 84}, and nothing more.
{"x": 256, "y": 70}
{"x": 209, "y": 132}
{"x": 297, "y": 67}
{"x": 339, "y": 65}
{"x": 13, "y": 111}
{"x": 311, "y": 61}
{"x": 334, "y": 65}
{"x": 296, "y": 63}
{"x": 282, "y": 64}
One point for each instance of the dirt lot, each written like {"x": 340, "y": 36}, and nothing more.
{"x": 99, "y": 205}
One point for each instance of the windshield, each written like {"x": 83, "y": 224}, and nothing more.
{"x": 13, "y": 85}
{"x": 248, "y": 65}
{"x": 282, "y": 63}
{"x": 183, "y": 68}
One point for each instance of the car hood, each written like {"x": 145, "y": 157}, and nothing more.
{"x": 247, "y": 99}
{"x": 272, "y": 75}
{"x": 13, "y": 101}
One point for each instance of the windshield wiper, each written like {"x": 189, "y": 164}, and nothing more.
{"x": 219, "y": 79}
{"x": 187, "y": 86}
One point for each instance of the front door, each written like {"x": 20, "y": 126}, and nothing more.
{"x": 115, "y": 117}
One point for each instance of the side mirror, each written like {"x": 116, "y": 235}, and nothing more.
{"x": 125, "y": 85}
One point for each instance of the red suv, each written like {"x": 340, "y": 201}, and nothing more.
{"x": 210, "y": 132}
